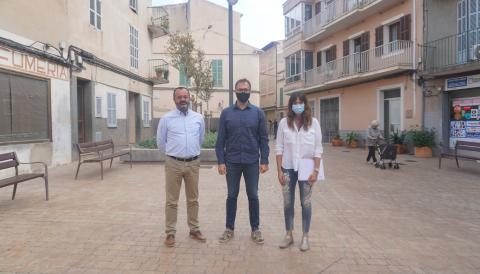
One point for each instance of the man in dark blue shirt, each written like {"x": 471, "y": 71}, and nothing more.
{"x": 242, "y": 140}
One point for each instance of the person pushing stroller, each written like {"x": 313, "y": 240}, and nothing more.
{"x": 374, "y": 138}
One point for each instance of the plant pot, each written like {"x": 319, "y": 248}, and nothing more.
{"x": 337, "y": 142}
{"x": 401, "y": 148}
{"x": 423, "y": 152}
{"x": 352, "y": 144}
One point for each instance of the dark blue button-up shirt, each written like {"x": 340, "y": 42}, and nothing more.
{"x": 242, "y": 136}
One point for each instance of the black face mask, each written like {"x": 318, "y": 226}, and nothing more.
{"x": 243, "y": 97}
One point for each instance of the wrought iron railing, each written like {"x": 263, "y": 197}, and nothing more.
{"x": 451, "y": 51}
{"x": 331, "y": 12}
{"x": 158, "y": 71}
{"x": 397, "y": 53}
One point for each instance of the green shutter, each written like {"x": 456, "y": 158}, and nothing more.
{"x": 217, "y": 73}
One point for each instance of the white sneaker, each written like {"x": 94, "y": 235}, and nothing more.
{"x": 304, "y": 246}
{"x": 287, "y": 241}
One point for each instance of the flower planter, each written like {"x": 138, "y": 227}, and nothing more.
{"x": 423, "y": 152}
{"x": 352, "y": 144}
{"x": 337, "y": 142}
{"x": 401, "y": 148}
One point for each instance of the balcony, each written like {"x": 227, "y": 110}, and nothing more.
{"x": 158, "y": 71}
{"x": 341, "y": 14}
{"x": 452, "y": 54}
{"x": 159, "y": 23}
{"x": 381, "y": 61}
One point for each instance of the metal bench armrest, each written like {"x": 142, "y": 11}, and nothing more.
{"x": 33, "y": 163}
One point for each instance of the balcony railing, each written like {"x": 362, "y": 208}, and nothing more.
{"x": 452, "y": 52}
{"x": 159, "y": 23}
{"x": 397, "y": 53}
{"x": 158, "y": 71}
{"x": 332, "y": 12}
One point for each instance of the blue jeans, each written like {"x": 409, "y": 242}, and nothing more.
{"x": 250, "y": 174}
{"x": 289, "y": 200}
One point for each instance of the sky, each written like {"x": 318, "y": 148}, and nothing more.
{"x": 262, "y": 20}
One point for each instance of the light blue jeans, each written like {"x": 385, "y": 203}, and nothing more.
{"x": 289, "y": 200}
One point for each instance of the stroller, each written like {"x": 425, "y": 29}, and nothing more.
{"x": 386, "y": 152}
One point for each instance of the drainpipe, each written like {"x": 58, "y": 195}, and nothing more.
{"x": 414, "y": 35}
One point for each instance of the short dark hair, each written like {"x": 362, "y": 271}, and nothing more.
{"x": 179, "y": 88}
{"x": 243, "y": 80}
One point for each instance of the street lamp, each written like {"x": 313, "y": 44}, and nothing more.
{"x": 230, "y": 50}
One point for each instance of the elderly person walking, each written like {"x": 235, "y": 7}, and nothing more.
{"x": 374, "y": 136}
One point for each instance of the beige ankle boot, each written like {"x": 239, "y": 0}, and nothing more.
{"x": 287, "y": 240}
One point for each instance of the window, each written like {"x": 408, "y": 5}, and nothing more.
{"x": 308, "y": 12}
{"x": 96, "y": 14}
{"x": 134, "y": 5}
{"x": 217, "y": 73}
{"x": 184, "y": 82}
{"x": 318, "y": 7}
{"x": 293, "y": 21}
{"x": 293, "y": 66}
{"x": 24, "y": 109}
{"x": 98, "y": 106}
{"x": 308, "y": 60}
{"x": 112, "y": 110}
{"x": 468, "y": 29}
{"x": 146, "y": 113}
{"x": 133, "y": 47}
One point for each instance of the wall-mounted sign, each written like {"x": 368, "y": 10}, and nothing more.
{"x": 23, "y": 62}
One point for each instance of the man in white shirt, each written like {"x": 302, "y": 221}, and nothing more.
{"x": 180, "y": 134}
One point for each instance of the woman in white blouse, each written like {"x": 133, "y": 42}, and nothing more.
{"x": 299, "y": 140}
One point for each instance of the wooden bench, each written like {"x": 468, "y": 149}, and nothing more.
{"x": 462, "y": 146}
{"x": 9, "y": 160}
{"x": 97, "y": 152}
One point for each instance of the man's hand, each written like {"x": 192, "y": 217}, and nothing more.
{"x": 281, "y": 178}
{"x": 313, "y": 177}
{"x": 222, "y": 169}
{"x": 263, "y": 168}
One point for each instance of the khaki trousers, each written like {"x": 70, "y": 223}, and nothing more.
{"x": 175, "y": 171}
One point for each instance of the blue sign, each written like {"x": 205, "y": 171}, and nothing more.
{"x": 457, "y": 83}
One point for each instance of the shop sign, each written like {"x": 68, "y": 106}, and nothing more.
{"x": 465, "y": 120}
{"x": 23, "y": 62}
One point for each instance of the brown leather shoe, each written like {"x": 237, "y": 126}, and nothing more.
{"x": 197, "y": 235}
{"x": 170, "y": 240}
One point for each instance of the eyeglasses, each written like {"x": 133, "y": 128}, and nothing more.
{"x": 243, "y": 90}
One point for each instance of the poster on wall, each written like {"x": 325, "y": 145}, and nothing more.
{"x": 465, "y": 120}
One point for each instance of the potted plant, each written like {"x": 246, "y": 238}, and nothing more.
{"x": 423, "y": 140}
{"x": 337, "y": 141}
{"x": 351, "y": 139}
{"x": 398, "y": 139}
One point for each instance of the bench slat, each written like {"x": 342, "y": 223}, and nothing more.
{"x": 8, "y": 164}
{"x": 7, "y": 156}
{"x": 467, "y": 143}
{"x": 19, "y": 179}
{"x": 96, "y": 148}
{"x": 469, "y": 148}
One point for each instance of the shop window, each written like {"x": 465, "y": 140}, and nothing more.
{"x": 24, "y": 109}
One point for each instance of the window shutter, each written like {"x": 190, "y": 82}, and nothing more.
{"x": 318, "y": 7}
{"x": 364, "y": 41}
{"x": 405, "y": 27}
{"x": 334, "y": 52}
{"x": 346, "y": 47}
{"x": 379, "y": 36}
{"x": 319, "y": 58}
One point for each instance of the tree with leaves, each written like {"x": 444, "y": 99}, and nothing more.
{"x": 185, "y": 57}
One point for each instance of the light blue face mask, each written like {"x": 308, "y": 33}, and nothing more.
{"x": 298, "y": 108}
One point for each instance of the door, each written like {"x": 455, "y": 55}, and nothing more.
{"x": 81, "y": 112}
{"x": 392, "y": 109}
{"x": 329, "y": 118}
{"x": 357, "y": 56}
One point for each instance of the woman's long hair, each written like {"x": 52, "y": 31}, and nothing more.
{"x": 306, "y": 115}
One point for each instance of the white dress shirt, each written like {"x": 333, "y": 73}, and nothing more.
{"x": 181, "y": 135}
{"x": 298, "y": 144}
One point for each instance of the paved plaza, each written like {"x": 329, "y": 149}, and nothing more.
{"x": 419, "y": 219}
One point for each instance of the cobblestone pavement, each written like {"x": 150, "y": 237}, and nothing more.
{"x": 419, "y": 219}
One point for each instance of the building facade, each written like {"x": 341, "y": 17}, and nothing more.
{"x": 208, "y": 25}
{"x": 273, "y": 100}
{"x": 451, "y": 70}
{"x": 357, "y": 61}
{"x": 74, "y": 71}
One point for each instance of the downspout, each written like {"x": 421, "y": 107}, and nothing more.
{"x": 414, "y": 48}
{"x": 276, "y": 82}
